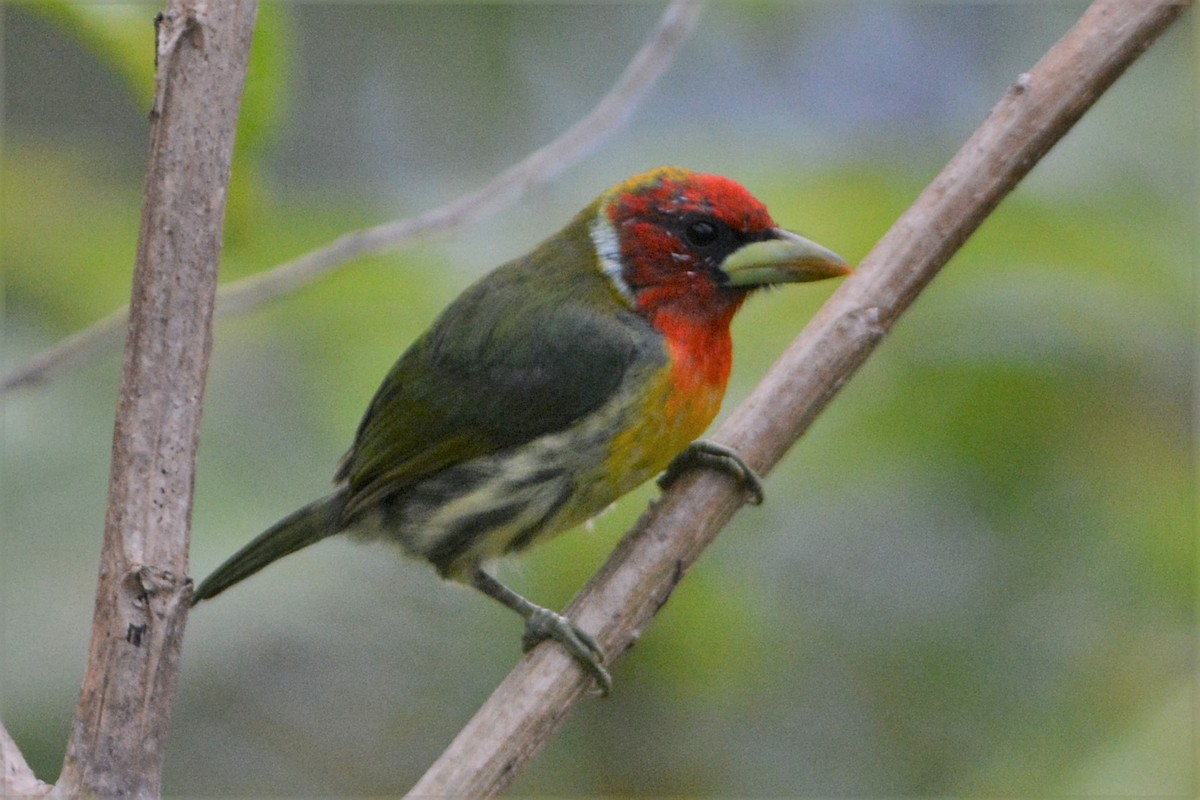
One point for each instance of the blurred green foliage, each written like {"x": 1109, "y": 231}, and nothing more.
{"x": 976, "y": 574}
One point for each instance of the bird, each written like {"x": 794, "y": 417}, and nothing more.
{"x": 554, "y": 385}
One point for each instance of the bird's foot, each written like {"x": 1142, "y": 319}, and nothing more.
{"x": 544, "y": 624}
{"x": 709, "y": 454}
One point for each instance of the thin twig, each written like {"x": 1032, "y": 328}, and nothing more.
{"x": 655, "y": 55}
{"x": 1041, "y": 106}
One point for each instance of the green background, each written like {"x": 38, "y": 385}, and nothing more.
{"x": 976, "y": 575}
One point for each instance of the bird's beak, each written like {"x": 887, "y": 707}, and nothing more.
{"x": 787, "y": 258}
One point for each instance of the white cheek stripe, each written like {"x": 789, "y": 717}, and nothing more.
{"x": 608, "y": 255}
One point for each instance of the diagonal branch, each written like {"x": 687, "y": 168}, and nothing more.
{"x": 16, "y": 778}
{"x": 647, "y": 65}
{"x": 1039, "y": 108}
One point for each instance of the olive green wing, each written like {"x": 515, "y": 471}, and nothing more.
{"x": 509, "y": 361}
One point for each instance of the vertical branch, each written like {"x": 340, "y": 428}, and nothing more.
{"x": 119, "y": 733}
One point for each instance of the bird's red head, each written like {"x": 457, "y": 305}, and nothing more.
{"x": 691, "y": 244}
{"x": 662, "y": 237}
{"x": 684, "y": 249}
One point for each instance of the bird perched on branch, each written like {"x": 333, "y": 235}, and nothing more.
{"x": 553, "y": 386}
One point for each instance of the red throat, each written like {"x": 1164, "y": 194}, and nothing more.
{"x": 701, "y": 351}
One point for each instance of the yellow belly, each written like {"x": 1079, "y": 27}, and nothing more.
{"x": 669, "y": 421}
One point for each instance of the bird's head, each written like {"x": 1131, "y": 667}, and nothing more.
{"x": 691, "y": 245}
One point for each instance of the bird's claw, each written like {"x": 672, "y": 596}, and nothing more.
{"x": 709, "y": 454}
{"x": 544, "y": 624}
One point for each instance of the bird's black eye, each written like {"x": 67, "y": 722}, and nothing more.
{"x": 701, "y": 233}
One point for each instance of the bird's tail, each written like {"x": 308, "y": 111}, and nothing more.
{"x": 310, "y": 524}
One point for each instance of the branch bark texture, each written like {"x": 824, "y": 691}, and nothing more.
{"x": 119, "y": 733}
{"x": 1038, "y": 109}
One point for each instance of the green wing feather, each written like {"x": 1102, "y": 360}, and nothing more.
{"x": 513, "y": 358}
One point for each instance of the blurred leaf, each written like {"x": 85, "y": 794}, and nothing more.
{"x": 121, "y": 34}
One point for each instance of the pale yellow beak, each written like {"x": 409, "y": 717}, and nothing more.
{"x": 787, "y": 258}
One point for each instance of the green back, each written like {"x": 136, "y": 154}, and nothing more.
{"x": 526, "y": 351}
